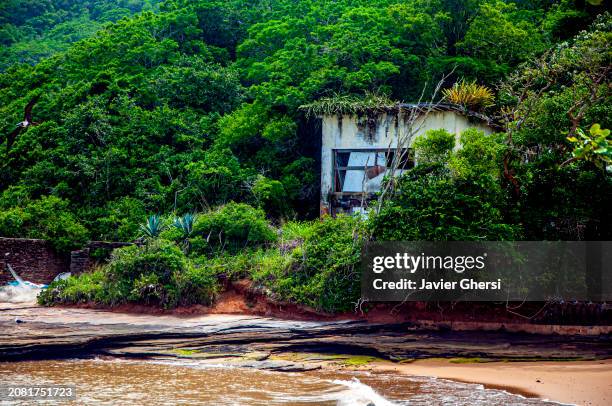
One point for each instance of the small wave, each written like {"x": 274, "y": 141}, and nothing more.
{"x": 19, "y": 291}
{"x": 24, "y": 292}
{"x": 359, "y": 393}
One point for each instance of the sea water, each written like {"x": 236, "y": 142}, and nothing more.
{"x": 191, "y": 382}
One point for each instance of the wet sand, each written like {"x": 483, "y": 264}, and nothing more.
{"x": 575, "y": 382}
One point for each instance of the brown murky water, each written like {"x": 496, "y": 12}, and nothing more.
{"x": 112, "y": 382}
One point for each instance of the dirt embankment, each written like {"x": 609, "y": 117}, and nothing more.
{"x": 240, "y": 298}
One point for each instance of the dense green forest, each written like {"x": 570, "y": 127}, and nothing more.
{"x": 174, "y": 107}
{"x": 31, "y": 30}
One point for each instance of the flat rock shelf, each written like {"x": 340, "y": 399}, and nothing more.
{"x": 259, "y": 342}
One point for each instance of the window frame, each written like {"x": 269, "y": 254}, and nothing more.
{"x": 336, "y": 169}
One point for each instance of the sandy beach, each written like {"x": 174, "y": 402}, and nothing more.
{"x": 573, "y": 382}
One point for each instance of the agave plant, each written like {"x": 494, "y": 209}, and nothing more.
{"x": 152, "y": 227}
{"x": 185, "y": 225}
{"x": 469, "y": 95}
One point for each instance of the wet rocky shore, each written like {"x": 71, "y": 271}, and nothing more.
{"x": 56, "y": 333}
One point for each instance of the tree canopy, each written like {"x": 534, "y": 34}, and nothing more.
{"x": 152, "y": 107}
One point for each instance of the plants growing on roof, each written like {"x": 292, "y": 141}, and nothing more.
{"x": 470, "y": 95}
{"x": 349, "y": 104}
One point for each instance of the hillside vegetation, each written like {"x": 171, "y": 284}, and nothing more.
{"x": 178, "y": 107}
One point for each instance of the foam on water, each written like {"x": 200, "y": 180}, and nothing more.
{"x": 19, "y": 291}
{"x": 358, "y": 393}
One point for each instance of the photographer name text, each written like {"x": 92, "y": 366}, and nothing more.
{"x": 424, "y": 284}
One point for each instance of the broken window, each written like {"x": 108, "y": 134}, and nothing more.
{"x": 359, "y": 171}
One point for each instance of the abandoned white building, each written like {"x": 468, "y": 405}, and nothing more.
{"x": 359, "y": 150}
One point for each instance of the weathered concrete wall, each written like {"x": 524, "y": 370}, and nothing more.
{"x": 382, "y": 131}
{"x": 34, "y": 260}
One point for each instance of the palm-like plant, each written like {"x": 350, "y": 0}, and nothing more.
{"x": 469, "y": 95}
{"x": 152, "y": 227}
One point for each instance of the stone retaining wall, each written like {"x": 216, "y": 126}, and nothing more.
{"x": 34, "y": 260}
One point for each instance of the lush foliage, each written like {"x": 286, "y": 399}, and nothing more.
{"x": 321, "y": 269}
{"x": 548, "y": 102}
{"x": 185, "y": 105}
{"x": 596, "y": 146}
{"x": 31, "y": 29}
{"x": 233, "y": 226}
{"x": 434, "y": 147}
{"x": 191, "y": 125}
{"x": 456, "y": 199}
{"x": 157, "y": 273}
{"x": 47, "y": 218}
{"x": 313, "y": 264}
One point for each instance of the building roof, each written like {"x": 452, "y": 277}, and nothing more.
{"x": 424, "y": 107}
{"x": 429, "y": 107}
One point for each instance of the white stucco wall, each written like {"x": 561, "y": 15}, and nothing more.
{"x": 352, "y": 132}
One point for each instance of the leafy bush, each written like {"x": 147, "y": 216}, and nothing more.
{"x": 197, "y": 285}
{"x": 296, "y": 230}
{"x": 160, "y": 257}
{"x": 480, "y": 155}
{"x": 323, "y": 272}
{"x": 11, "y": 222}
{"x": 596, "y": 146}
{"x": 233, "y": 226}
{"x": 47, "y": 218}
{"x": 299, "y": 179}
{"x": 84, "y": 288}
{"x": 157, "y": 273}
{"x": 434, "y": 146}
{"x": 431, "y": 205}
{"x": 214, "y": 179}
{"x": 270, "y": 195}
{"x": 450, "y": 195}
{"x": 120, "y": 220}
{"x": 256, "y": 263}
